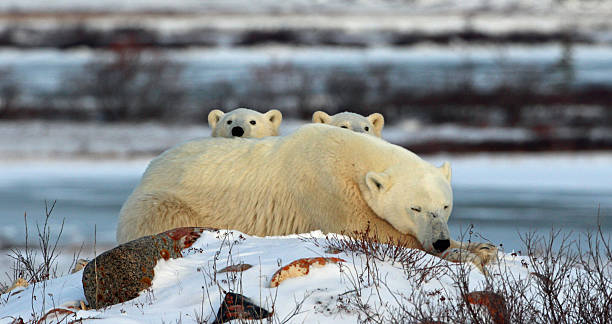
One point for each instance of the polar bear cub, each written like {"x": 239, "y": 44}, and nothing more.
{"x": 243, "y": 122}
{"x": 373, "y": 124}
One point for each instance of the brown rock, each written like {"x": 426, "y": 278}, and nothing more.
{"x": 120, "y": 274}
{"x": 495, "y": 303}
{"x": 298, "y": 268}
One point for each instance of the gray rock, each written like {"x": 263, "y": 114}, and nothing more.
{"x": 120, "y": 274}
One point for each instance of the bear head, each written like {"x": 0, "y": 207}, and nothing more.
{"x": 243, "y": 122}
{"x": 373, "y": 124}
{"x": 415, "y": 201}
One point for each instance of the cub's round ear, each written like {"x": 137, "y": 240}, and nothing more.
{"x": 446, "y": 170}
{"x": 378, "y": 121}
{"x": 320, "y": 117}
{"x": 275, "y": 117}
{"x": 377, "y": 182}
{"x": 214, "y": 117}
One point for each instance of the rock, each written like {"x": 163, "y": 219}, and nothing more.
{"x": 495, "y": 303}
{"x": 236, "y": 306}
{"x": 298, "y": 268}
{"x": 236, "y": 268}
{"x": 120, "y": 274}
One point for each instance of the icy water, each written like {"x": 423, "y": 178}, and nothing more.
{"x": 499, "y": 196}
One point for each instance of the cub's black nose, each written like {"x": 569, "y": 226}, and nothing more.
{"x": 441, "y": 245}
{"x": 237, "y": 131}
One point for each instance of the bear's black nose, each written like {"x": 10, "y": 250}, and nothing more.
{"x": 441, "y": 245}
{"x": 237, "y": 131}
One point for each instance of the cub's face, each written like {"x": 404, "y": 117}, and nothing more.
{"x": 244, "y": 123}
{"x": 415, "y": 202}
{"x": 372, "y": 124}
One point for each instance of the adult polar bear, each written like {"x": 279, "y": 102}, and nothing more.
{"x": 320, "y": 177}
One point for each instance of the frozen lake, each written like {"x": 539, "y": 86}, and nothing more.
{"x": 501, "y": 195}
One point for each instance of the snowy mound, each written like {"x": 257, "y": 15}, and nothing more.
{"x": 388, "y": 285}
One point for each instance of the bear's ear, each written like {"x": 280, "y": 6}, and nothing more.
{"x": 377, "y": 182}
{"x": 378, "y": 121}
{"x": 446, "y": 170}
{"x": 320, "y": 117}
{"x": 275, "y": 117}
{"x": 214, "y": 117}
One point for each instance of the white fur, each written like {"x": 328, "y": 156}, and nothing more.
{"x": 254, "y": 124}
{"x": 319, "y": 177}
{"x": 373, "y": 124}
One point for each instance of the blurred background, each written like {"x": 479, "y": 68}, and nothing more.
{"x": 516, "y": 94}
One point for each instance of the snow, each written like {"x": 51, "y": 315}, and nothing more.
{"x": 40, "y": 72}
{"x": 361, "y": 6}
{"x": 41, "y": 139}
{"x": 61, "y": 140}
{"x": 188, "y": 288}
{"x": 589, "y": 172}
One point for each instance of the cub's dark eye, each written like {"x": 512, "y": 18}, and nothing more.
{"x": 416, "y": 209}
{"x": 252, "y": 122}
{"x": 446, "y": 207}
{"x": 367, "y": 128}
{"x": 343, "y": 127}
{"x": 229, "y": 122}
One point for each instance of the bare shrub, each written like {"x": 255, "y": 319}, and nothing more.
{"x": 218, "y": 95}
{"x": 348, "y": 90}
{"x": 27, "y": 260}
{"x": 9, "y": 93}
{"x": 281, "y": 85}
{"x": 134, "y": 85}
{"x": 563, "y": 282}
{"x": 37, "y": 269}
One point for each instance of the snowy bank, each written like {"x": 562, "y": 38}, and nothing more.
{"x": 421, "y": 287}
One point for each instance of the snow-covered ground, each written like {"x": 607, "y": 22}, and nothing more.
{"x": 361, "y": 6}
{"x": 188, "y": 289}
{"x": 56, "y": 139}
{"x": 426, "y": 16}
{"x": 43, "y": 71}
